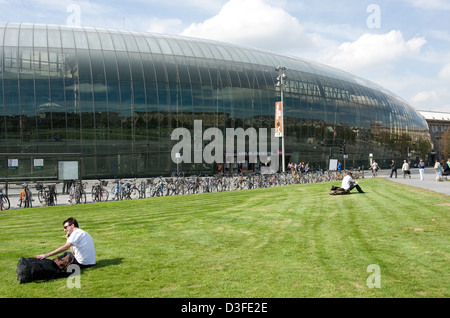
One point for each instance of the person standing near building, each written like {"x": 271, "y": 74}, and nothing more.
{"x": 446, "y": 169}
{"x": 421, "y": 169}
{"x": 393, "y": 168}
{"x": 405, "y": 169}
{"x": 437, "y": 169}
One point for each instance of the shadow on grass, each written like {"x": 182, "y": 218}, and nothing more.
{"x": 107, "y": 262}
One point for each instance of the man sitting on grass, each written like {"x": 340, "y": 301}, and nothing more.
{"x": 79, "y": 242}
{"x": 348, "y": 183}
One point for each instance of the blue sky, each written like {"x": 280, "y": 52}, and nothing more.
{"x": 402, "y": 45}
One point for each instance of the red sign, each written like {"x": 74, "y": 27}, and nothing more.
{"x": 279, "y": 119}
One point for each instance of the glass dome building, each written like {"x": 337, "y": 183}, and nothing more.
{"x": 114, "y": 97}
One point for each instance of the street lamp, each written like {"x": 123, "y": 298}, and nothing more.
{"x": 280, "y": 83}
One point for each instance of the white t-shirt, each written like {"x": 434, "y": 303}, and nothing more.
{"x": 83, "y": 247}
{"x": 347, "y": 182}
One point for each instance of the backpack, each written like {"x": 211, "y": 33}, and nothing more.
{"x": 33, "y": 269}
{"x": 338, "y": 191}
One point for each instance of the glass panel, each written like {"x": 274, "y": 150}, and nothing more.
{"x": 152, "y": 102}
{"x": 26, "y": 37}
{"x": 153, "y": 45}
{"x": 186, "y": 48}
{"x": 165, "y": 47}
{"x": 226, "y": 55}
{"x": 139, "y": 100}
{"x": 216, "y": 52}
{"x": 54, "y": 38}
{"x": 176, "y": 49}
{"x": 123, "y": 66}
{"x": 119, "y": 44}
{"x": 106, "y": 40}
{"x": 183, "y": 73}
{"x": 160, "y": 68}
{"x": 197, "y": 52}
{"x": 67, "y": 39}
{"x": 206, "y": 51}
{"x": 136, "y": 66}
{"x": 84, "y": 66}
{"x": 194, "y": 74}
{"x": 172, "y": 74}
{"x": 2, "y": 33}
{"x": 81, "y": 41}
{"x": 94, "y": 40}
{"x": 11, "y": 37}
{"x": 130, "y": 43}
{"x": 142, "y": 44}
{"x": 149, "y": 70}
{"x": 58, "y": 109}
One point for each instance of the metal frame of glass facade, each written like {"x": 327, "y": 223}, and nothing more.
{"x": 116, "y": 96}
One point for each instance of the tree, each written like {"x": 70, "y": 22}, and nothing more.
{"x": 423, "y": 146}
{"x": 444, "y": 144}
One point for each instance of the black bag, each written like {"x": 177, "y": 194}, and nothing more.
{"x": 338, "y": 191}
{"x": 33, "y": 269}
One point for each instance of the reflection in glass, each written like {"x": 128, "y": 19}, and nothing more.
{"x": 116, "y": 96}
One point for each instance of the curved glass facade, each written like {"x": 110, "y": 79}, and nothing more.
{"x": 116, "y": 96}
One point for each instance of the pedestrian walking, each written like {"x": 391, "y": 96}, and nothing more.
{"x": 421, "y": 169}
{"x": 405, "y": 169}
{"x": 393, "y": 168}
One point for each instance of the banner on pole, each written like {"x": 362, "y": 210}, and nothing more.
{"x": 279, "y": 119}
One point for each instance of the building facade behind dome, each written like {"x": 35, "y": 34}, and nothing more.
{"x": 116, "y": 96}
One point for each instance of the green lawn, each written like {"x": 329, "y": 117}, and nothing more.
{"x": 292, "y": 241}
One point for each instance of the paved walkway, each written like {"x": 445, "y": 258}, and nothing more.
{"x": 429, "y": 181}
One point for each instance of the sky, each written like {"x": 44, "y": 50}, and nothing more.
{"x": 402, "y": 45}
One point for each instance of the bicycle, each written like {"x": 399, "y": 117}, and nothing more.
{"x": 5, "y": 204}
{"x": 158, "y": 188}
{"x": 47, "y": 194}
{"x": 117, "y": 190}
{"x": 143, "y": 188}
{"x": 77, "y": 194}
{"x": 130, "y": 191}
{"x": 25, "y": 197}
{"x": 99, "y": 192}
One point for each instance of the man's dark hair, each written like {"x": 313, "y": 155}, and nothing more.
{"x": 71, "y": 221}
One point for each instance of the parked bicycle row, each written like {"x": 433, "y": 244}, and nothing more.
{"x": 164, "y": 186}
{"x": 130, "y": 189}
{"x": 46, "y": 195}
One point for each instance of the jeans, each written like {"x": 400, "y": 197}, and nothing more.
{"x": 357, "y": 188}
{"x": 75, "y": 260}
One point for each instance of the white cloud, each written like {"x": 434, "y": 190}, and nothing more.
{"x": 426, "y": 97}
{"x": 432, "y": 4}
{"x": 372, "y": 50}
{"x": 164, "y": 25}
{"x": 254, "y": 23}
{"x": 434, "y": 99}
{"x": 444, "y": 74}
